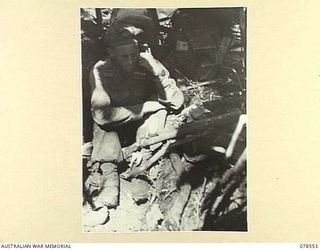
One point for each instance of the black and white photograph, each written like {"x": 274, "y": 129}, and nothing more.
{"x": 164, "y": 100}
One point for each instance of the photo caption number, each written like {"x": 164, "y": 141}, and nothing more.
{"x": 309, "y": 246}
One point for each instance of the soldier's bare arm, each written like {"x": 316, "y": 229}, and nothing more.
{"x": 168, "y": 92}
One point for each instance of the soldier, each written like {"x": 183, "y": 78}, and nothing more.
{"x": 129, "y": 88}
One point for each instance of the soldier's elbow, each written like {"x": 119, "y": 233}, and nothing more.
{"x": 100, "y": 117}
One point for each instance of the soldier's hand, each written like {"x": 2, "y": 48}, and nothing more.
{"x": 147, "y": 55}
{"x": 136, "y": 159}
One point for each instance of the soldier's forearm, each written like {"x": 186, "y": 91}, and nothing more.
{"x": 117, "y": 116}
{"x": 169, "y": 93}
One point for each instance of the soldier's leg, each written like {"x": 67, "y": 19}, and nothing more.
{"x": 105, "y": 156}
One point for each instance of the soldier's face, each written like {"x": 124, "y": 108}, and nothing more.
{"x": 126, "y": 56}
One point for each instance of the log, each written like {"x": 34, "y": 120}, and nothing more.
{"x": 242, "y": 121}
{"x": 219, "y": 192}
{"x": 173, "y": 218}
{"x": 178, "y": 166}
{"x": 193, "y": 128}
{"x": 128, "y": 151}
{"x": 176, "y": 162}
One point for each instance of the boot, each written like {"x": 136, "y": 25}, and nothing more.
{"x": 109, "y": 195}
{"x": 96, "y": 217}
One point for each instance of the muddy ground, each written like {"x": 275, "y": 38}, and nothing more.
{"x": 162, "y": 199}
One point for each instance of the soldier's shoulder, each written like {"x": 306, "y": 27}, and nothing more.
{"x": 104, "y": 67}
